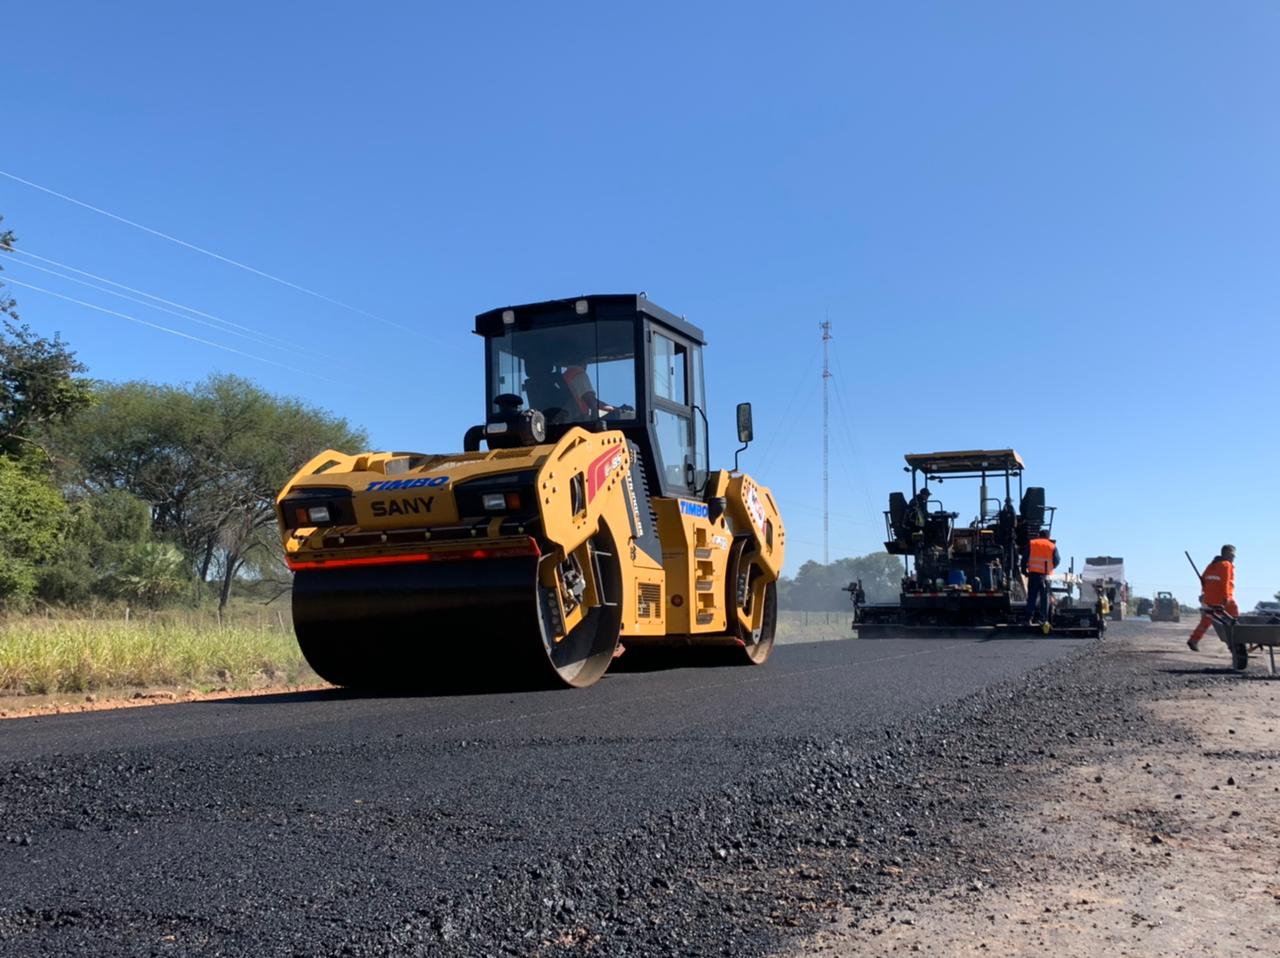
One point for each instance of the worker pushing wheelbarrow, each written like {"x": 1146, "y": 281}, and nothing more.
{"x": 1245, "y": 633}
{"x": 1242, "y": 634}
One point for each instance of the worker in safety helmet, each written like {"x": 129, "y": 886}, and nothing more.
{"x": 1218, "y": 588}
{"x": 1042, "y": 558}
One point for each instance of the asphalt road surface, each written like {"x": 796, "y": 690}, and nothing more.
{"x": 330, "y": 823}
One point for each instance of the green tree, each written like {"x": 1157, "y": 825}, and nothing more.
{"x": 104, "y": 534}
{"x": 150, "y": 442}
{"x": 8, "y": 305}
{"x": 40, "y": 381}
{"x": 267, "y": 438}
{"x": 209, "y": 460}
{"x": 820, "y": 588}
{"x": 32, "y": 518}
{"x": 40, "y": 386}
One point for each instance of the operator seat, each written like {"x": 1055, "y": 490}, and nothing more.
{"x": 1032, "y": 508}
{"x": 898, "y": 514}
{"x": 547, "y": 393}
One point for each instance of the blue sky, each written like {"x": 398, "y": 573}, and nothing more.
{"x": 1046, "y": 226}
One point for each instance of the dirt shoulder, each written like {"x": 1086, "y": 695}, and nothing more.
{"x": 17, "y": 706}
{"x": 1169, "y": 847}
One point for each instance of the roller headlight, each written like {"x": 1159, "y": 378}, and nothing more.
{"x": 510, "y": 493}
{"x": 316, "y": 507}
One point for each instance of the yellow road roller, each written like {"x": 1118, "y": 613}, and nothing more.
{"x": 581, "y": 519}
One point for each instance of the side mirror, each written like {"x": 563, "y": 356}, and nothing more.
{"x": 744, "y": 422}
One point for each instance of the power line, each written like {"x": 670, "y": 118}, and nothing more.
{"x": 163, "y": 329}
{"x": 784, "y": 422}
{"x": 848, "y": 517}
{"x": 809, "y": 398}
{"x": 252, "y": 337}
{"x": 140, "y": 292}
{"x": 210, "y": 253}
{"x": 847, "y": 419}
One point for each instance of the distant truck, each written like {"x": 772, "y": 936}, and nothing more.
{"x": 1104, "y": 575}
{"x": 1267, "y": 607}
{"x": 1164, "y": 608}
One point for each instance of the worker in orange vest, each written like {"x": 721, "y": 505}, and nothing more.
{"x": 1218, "y": 588}
{"x": 586, "y": 403}
{"x": 1042, "y": 558}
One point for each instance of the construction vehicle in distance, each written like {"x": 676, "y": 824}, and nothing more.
{"x": 1103, "y": 577}
{"x": 967, "y": 579}
{"x": 591, "y": 519}
{"x": 1164, "y": 608}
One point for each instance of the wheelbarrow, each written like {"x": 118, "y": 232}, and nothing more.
{"x": 1245, "y": 633}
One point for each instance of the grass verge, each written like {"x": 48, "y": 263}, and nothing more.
{"x": 41, "y": 657}
{"x": 813, "y": 626}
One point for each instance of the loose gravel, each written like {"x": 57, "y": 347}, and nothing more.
{"x": 804, "y": 827}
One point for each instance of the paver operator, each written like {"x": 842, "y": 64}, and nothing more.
{"x": 1218, "y": 587}
{"x": 1042, "y": 559}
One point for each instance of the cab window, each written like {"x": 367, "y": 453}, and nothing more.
{"x": 508, "y": 375}
{"x": 669, "y": 361}
{"x": 576, "y": 372}
{"x": 700, "y": 464}
{"x": 674, "y": 420}
{"x": 675, "y": 442}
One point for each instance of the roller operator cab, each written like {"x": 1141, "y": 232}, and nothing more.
{"x": 580, "y": 518}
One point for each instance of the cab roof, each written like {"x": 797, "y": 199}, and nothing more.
{"x": 554, "y": 312}
{"x": 967, "y": 461}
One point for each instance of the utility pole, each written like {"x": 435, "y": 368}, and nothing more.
{"x": 826, "y": 502}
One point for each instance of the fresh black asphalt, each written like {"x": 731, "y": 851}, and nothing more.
{"x": 332, "y": 823}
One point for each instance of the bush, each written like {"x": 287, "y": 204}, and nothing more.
{"x": 108, "y": 553}
{"x": 33, "y": 517}
{"x": 151, "y": 573}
